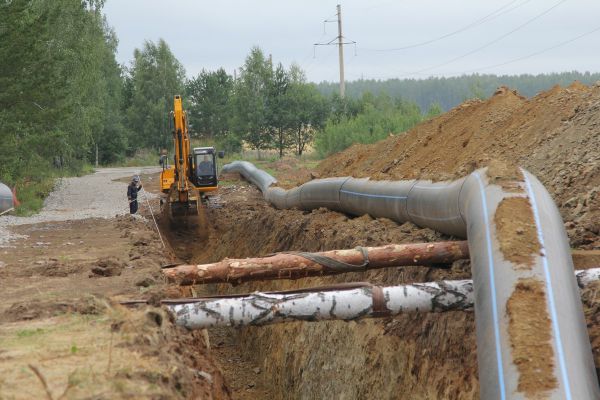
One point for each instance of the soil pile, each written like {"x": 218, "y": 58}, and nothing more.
{"x": 555, "y": 135}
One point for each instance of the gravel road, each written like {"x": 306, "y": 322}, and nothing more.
{"x": 97, "y": 195}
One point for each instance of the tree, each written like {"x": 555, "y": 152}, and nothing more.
{"x": 279, "y": 111}
{"x": 308, "y": 109}
{"x": 379, "y": 117}
{"x": 156, "y": 76}
{"x": 59, "y": 81}
{"x": 250, "y": 101}
{"x": 209, "y": 95}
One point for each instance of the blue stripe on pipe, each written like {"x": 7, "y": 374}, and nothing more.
{"x": 432, "y": 187}
{"x": 435, "y": 218}
{"x": 552, "y": 305}
{"x": 380, "y": 196}
{"x": 488, "y": 239}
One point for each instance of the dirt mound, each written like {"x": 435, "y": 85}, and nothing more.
{"x": 108, "y": 266}
{"x": 555, "y": 135}
{"x": 34, "y": 309}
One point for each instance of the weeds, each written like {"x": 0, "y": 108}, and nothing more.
{"x": 24, "y": 333}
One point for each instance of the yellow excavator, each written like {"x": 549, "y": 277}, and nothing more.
{"x": 192, "y": 177}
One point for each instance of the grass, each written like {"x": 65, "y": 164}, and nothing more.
{"x": 31, "y": 195}
{"x": 31, "y": 192}
{"x": 23, "y": 333}
{"x": 79, "y": 347}
{"x": 142, "y": 158}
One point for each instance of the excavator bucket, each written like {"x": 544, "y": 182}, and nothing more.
{"x": 189, "y": 218}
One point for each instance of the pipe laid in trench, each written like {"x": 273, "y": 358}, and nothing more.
{"x": 345, "y": 302}
{"x": 295, "y": 265}
{"x": 532, "y": 339}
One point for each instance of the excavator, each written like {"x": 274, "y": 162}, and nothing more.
{"x": 192, "y": 177}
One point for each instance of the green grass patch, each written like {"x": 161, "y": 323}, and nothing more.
{"x": 31, "y": 195}
{"x": 24, "y": 333}
{"x": 142, "y": 158}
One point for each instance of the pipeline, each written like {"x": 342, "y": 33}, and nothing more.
{"x": 532, "y": 338}
{"x": 6, "y": 199}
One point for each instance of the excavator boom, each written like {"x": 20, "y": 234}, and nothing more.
{"x": 181, "y": 141}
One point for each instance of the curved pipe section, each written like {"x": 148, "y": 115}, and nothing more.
{"x": 6, "y": 198}
{"x": 532, "y": 339}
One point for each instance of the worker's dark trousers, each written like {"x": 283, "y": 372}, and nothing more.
{"x": 133, "y": 207}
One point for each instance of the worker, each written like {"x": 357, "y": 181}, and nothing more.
{"x": 132, "y": 191}
{"x": 205, "y": 168}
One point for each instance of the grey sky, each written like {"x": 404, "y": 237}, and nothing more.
{"x": 209, "y": 35}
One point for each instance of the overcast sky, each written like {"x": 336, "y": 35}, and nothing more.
{"x": 482, "y": 36}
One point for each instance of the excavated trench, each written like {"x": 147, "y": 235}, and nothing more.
{"x": 408, "y": 356}
{"x": 418, "y": 355}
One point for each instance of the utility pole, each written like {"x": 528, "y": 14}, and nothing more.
{"x": 340, "y": 43}
{"x": 341, "y": 52}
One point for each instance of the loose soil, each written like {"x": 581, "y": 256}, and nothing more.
{"x": 530, "y": 338}
{"x": 516, "y": 230}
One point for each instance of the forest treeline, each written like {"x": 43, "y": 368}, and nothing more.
{"x": 450, "y": 92}
{"x": 65, "y": 102}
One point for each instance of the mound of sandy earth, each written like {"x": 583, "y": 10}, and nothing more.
{"x": 555, "y": 135}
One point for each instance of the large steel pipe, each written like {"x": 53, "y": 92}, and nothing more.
{"x": 532, "y": 340}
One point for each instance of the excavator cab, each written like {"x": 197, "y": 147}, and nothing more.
{"x": 205, "y": 167}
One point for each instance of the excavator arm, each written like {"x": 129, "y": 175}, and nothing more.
{"x": 181, "y": 141}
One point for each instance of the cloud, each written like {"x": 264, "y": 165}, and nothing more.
{"x": 209, "y": 35}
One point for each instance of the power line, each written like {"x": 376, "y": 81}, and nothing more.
{"x": 489, "y": 17}
{"x": 499, "y": 38}
{"x": 538, "y": 52}
{"x": 521, "y": 58}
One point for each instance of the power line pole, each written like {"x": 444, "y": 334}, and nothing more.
{"x": 340, "y": 43}
{"x": 341, "y": 52}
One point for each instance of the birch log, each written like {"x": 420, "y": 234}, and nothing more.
{"x": 266, "y": 308}
{"x": 294, "y": 265}
{"x": 319, "y": 305}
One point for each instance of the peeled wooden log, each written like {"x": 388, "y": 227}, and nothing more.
{"x": 346, "y": 302}
{"x": 295, "y": 265}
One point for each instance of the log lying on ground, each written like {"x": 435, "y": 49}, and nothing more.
{"x": 295, "y": 265}
{"x": 346, "y": 302}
